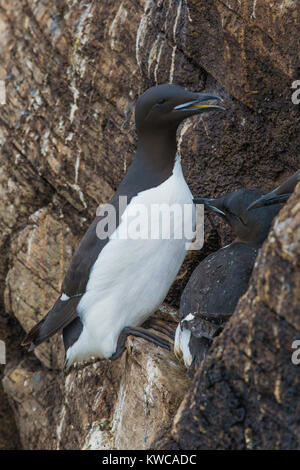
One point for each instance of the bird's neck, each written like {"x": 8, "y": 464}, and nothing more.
{"x": 157, "y": 150}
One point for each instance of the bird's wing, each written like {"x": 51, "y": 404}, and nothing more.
{"x": 78, "y": 273}
{"x": 64, "y": 311}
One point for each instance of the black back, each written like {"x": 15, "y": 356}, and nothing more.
{"x": 219, "y": 281}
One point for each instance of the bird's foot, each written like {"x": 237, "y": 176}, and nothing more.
{"x": 140, "y": 333}
{"x": 160, "y": 326}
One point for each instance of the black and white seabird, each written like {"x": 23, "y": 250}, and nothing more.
{"x": 219, "y": 281}
{"x": 114, "y": 284}
{"x": 279, "y": 194}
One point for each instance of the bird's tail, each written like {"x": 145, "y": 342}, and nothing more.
{"x": 61, "y": 314}
{"x": 32, "y": 336}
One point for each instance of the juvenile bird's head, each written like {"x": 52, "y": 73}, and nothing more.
{"x": 248, "y": 226}
{"x": 166, "y": 106}
{"x": 279, "y": 194}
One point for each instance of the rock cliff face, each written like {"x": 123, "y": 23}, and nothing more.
{"x": 72, "y": 72}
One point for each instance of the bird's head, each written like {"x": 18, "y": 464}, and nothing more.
{"x": 248, "y": 226}
{"x": 166, "y": 106}
{"x": 278, "y": 195}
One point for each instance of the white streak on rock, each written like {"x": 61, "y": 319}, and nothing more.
{"x": 117, "y": 423}
{"x": 158, "y": 60}
{"x": 172, "y": 64}
{"x": 86, "y": 14}
{"x": 77, "y": 163}
{"x": 30, "y": 240}
{"x": 148, "y": 6}
{"x": 60, "y": 426}
{"x": 69, "y": 137}
{"x": 142, "y": 30}
{"x": 152, "y": 377}
{"x": 97, "y": 439}
{"x": 75, "y": 92}
{"x": 78, "y": 190}
{"x": 188, "y": 12}
{"x": 45, "y": 142}
{"x": 183, "y": 130}
{"x": 74, "y": 108}
{"x": 174, "y": 38}
{"x": 118, "y": 20}
{"x": 286, "y": 4}
{"x": 140, "y": 38}
{"x": 79, "y": 61}
{"x": 176, "y": 20}
{"x": 153, "y": 54}
{"x": 60, "y": 124}
{"x": 253, "y": 15}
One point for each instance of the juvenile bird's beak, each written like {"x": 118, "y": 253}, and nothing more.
{"x": 211, "y": 204}
{"x": 196, "y": 104}
{"x": 268, "y": 200}
{"x": 279, "y": 194}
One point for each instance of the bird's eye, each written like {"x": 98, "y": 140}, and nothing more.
{"x": 161, "y": 101}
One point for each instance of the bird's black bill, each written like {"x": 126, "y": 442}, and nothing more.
{"x": 210, "y": 204}
{"x": 196, "y": 104}
{"x": 268, "y": 200}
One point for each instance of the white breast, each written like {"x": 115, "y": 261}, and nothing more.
{"x": 131, "y": 277}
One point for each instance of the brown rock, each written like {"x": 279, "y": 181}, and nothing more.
{"x": 40, "y": 255}
{"x": 246, "y": 46}
{"x": 102, "y": 405}
{"x": 35, "y": 395}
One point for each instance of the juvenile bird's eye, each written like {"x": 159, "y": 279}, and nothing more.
{"x": 161, "y": 101}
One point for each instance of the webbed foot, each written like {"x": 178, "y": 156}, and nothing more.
{"x": 140, "y": 333}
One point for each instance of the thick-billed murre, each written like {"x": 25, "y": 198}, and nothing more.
{"x": 219, "y": 281}
{"x": 114, "y": 284}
